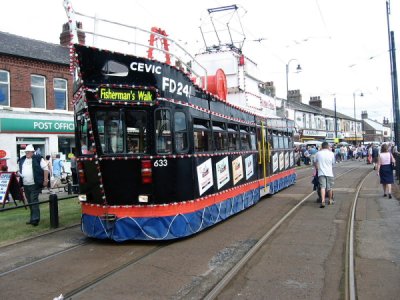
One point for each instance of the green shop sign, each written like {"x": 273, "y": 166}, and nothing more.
{"x": 28, "y": 125}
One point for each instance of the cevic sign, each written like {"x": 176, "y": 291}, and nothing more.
{"x": 28, "y": 125}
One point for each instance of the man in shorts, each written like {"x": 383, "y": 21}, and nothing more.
{"x": 324, "y": 161}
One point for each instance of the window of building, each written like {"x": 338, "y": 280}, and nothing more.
{"x": 201, "y": 133}
{"x": 4, "y": 88}
{"x": 60, "y": 94}
{"x": 38, "y": 91}
{"x": 163, "y": 131}
{"x": 181, "y": 132}
{"x": 220, "y": 136}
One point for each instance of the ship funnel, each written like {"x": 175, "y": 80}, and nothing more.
{"x": 216, "y": 84}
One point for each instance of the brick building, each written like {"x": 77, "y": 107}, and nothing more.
{"x": 35, "y": 97}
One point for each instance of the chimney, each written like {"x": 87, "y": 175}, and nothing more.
{"x": 294, "y": 95}
{"x": 364, "y": 115}
{"x": 65, "y": 38}
{"x": 315, "y": 101}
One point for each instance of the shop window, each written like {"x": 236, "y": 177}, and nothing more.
{"x": 201, "y": 133}
{"x": 181, "y": 132}
{"x": 4, "y": 88}
{"x": 38, "y": 91}
{"x": 60, "y": 94}
{"x": 163, "y": 131}
{"x": 220, "y": 136}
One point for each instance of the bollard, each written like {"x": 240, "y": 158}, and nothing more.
{"x": 53, "y": 207}
{"x": 69, "y": 188}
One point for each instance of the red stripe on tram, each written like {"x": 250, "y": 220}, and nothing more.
{"x": 186, "y": 207}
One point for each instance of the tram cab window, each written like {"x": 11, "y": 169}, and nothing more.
{"x": 233, "y": 137}
{"x": 136, "y": 133}
{"x": 82, "y": 127}
{"x": 163, "y": 131}
{"x": 245, "y": 138}
{"x": 181, "y": 132}
{"x": 111, "y": 131}
{"x": 201, "y": 132}
{"x": 220, "y": 136}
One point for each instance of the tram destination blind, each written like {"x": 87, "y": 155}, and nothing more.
{"x": 113, "y": 94}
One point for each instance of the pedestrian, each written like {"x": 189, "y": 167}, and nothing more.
{"x": 50, "y": 167}
{"x": 375, "y": 155}
{"x": 33, "y": 172}
{"x": 58, "y": 169}
{"x": 324, "y": 161}
{"x": 385, "y": 171}
{"x": 73, "y": 168}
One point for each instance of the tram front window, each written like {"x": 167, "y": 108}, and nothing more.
{"x": 136, "y": 134}
{"x": 163, "y": 131}
{"x": 111, "y": 131}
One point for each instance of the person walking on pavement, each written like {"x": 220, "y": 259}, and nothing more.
{"x": 33, "y": 172}
{"x": 324, "y": 161}
{"x": 58, "y": 167}
{"x": 375, "y": 155}
{"x": 385, "y": 171}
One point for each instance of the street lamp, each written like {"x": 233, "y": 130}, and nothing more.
{"x": 355, "y": 123}
{"x": 298, "y": 69}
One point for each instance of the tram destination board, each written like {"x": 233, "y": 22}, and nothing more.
{"x": 119, "y": 94}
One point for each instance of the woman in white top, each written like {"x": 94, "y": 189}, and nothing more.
{"x": 384, "y": 170}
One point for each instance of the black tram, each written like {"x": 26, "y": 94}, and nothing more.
{"x": 162, "y": 158}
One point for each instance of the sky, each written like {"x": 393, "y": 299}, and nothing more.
{"x": 342, "y": 45}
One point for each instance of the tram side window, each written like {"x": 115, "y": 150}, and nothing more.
{"x": 275, "y": 142}
{"x": 233, "y": 137}
{"x": 163, "y": 131}
{"x": 83, "y": 135}
{"x": 136, "y": 132}
{"x": 245, "y": 138}
{"x": 201, "y": 133}
{"x": 253, "y": 139}
{"x": 286, "y": 142}
{"x": 281, "y": 144}
{"x": 111, "y": 131}
{"x": 181, "y": 132}
{"x": 220, "y": 136}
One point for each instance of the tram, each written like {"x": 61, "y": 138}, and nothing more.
{"x": 164, "y": 153}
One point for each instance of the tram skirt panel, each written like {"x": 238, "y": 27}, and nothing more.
{"x": 169, "y": 227}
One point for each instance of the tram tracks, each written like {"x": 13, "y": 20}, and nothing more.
{"x": 349, "y": 257}
{"x": 89, "y": 280}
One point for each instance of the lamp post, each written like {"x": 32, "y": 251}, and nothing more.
{"x": 355, "y": 123}
{"x": 298, "y": 69}
{"x": 334, "y": 104}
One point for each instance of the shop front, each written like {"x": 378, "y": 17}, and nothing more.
{"x": 307, "y": 134}
{"x": 48, "y": 136}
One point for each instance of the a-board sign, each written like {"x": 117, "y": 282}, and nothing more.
{"x": 9, "y": 186}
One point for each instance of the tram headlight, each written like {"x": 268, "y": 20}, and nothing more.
{"x": 82, "y": 197}
{"x": 143, "y": 198}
